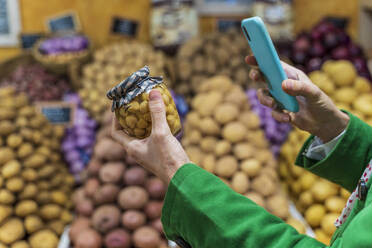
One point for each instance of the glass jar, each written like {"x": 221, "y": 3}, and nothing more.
{"x": 131, "y": 104}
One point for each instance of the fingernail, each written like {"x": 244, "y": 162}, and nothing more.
{"x": 155, "y": 95}
{"x": 289, "y": 84}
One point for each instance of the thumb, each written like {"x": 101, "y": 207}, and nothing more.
{"x": 157, "y": 110}
{"x": 300, "y": 88}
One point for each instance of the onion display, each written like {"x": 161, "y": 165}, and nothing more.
{"x": 37, "y": 83}
{"x": 79, "y": 139}
{"x": 275, "y": 132}
{"x": 324, "y": 42}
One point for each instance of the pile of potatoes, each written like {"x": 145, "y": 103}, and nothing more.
{"x": 206, "y": 56}
{"x": 319, "y": 200}
{"x": 111, "y": 65}
{"x": 35, "y": 185}
{"x": 223, "y": 136}
{"x": 119, "y": 203}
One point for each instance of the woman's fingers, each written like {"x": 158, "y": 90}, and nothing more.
{"x": 158, "y": 113}
{"x": 265, "y": 99}
{"x": 281, "y": 116}
{"x": 300, "y": 88}
{"x": 118, "y": 134}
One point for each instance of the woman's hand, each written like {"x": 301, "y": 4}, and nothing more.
{"x": 317, "y": 114}
{"x": 160, "y": 153}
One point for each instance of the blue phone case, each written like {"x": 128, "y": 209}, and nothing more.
{"x": 268, "y": 60}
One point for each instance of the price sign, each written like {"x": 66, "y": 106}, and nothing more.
{"x": 67, "y": 22}
{"x": 61, "y": 113}
{"x": 28, "y": 40}
{"x": 124, "y": 27}
{"x": 225, "y": 24}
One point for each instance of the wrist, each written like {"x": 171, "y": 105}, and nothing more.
{"x": 172, "y": 169}
{"x": 333, "y": 127}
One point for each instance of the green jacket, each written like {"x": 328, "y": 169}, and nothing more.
{"x": 200, "y": 209}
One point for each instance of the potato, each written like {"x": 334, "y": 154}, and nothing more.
{"x": 209, "y": 103}
{"x": 153, "y": 209}
{"x": 106, "y": 218}
{"x": 344, "y": 193}
{"x": 112, "y": 172}
{"x": 93, "y": 167}
{"x": 6, "y": 197}
{"x": 264, "y": 185}
{"x": 118, "y": 238}
{"x": 6, "y": 155}
{"x": 50, "y": 211}
{"x": 240, "y": 182}
{"x": 20, "y": 244}
{"x": 43, "y": 239}
{"x": 133, "y": 197}
{"x": 11, "y": 231}
{"x": 85, "y": 207}
{"x": 88, "y": 238}
{"x": 297, "y": 224}
{"x": 10, "y": 169}
{"x": 79, "y": 224}
{"x": 323, "y": 189}
{"x": 133, "y": 219}
{"x": 156, "y": 188}
{"x": 307, "y": 180}
{"x": 243, "y": 150}
{"x": 158, "y": 226}
{"x": 5, "y": 212}
{"x": 14, "y": 184}
{"x": 209, "y": 126}
{"x": 234, "y": 132}
{"x": 107, "y": 193}
{"x": 226, "y": 166}
{"x": 135, "y": 176}
{"x": 223, "y": 147}
{"x": 306, "y": 198}
{"x": 328, "y": 223}
{"x": 250, "y": 120}
{"x": 146, "y": 237}
{"x": 66, "y": 216}
{"x": 14, "y": 140}
{"x": 335, "y": 204}
{"x": 346, "y": 95}
{"x": 363, "y": 104}
{"x": 47, "y": 171}
{"x": 314, "y": 215}
{"x": 6, "y": 127}
{"x": 107, "y": 149}
{"x": 278, "y": 205}
{"x": 26, "y": 207}
{"x": 193, "y": 119}
{"x": 78, "y": 195}
{"x": 251, "y": 167}
{"x": 195, "y": 154}
{"x": 362, "y": 85}
{"x": 255, "y": 197}
{"x": 342, "y": 73}
{"x": 57, "y": 226}
{"x": 209, "y": 163}
{"x": 194, "y": 137}
{"x": 58, "y": 197}
{"x": 226, "y": 113}
{"x": 35, "y": 160}
{"x": 208, "y": 144}
{"x": 322, "y": 236}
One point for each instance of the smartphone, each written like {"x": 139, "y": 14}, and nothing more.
{"x": 268, "y": 60}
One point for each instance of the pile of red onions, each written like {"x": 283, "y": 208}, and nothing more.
{"x": 79, "y": 139}
{"x": 325, "y": 42}
{"x": 58, "y": 45}
{"x": 275, "y": 132}
{"x": 37, "y": 83}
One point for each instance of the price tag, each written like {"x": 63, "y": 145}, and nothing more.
{"x": 67, "y": 22}
{"x": 225, "y": 24}
{"x": 28, "y": 40}
{"x": 124, "y": 27}
{"x": 61, "y": 113}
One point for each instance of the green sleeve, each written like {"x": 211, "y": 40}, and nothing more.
{"x": 205, "y": 212}
{"x": 348, "y": 159}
